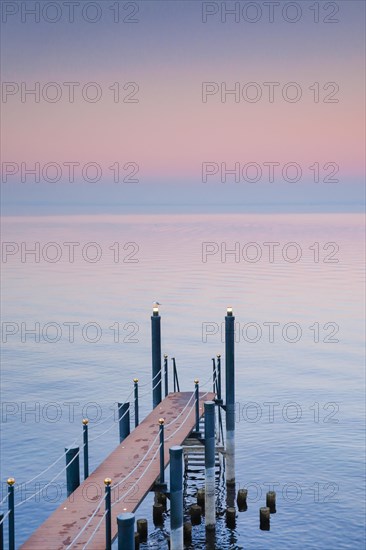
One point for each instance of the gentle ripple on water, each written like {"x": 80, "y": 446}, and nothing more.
{"x": 315, "y": 454}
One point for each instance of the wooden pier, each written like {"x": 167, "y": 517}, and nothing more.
{"x": 133, "y": 471}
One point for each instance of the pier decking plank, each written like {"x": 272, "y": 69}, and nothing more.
{"x": 60, "y": 529}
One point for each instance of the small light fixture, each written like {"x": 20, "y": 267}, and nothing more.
{"x": 229, "y": 312}
{"x": 156, "y": 308}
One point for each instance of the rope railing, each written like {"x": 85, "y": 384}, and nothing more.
{"x": 77, "y": 440}
{"x": 95, "y": 530}
{"x": 4, "y": 499}
{"x": 87, "y": 523}
{"x": 110, "y": 427}
{"x": 185, "y": 420}
{"x": 5, "y": 516}
{"x": 137, "y": 465}
{"x": 148, "y": 392}
{"x": 49, "y": 483}
{"x": 130, "y": 489}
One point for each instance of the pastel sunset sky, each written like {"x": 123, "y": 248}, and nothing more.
{"x": 164, "y": 126}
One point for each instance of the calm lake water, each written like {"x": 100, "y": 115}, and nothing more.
{"x": 299, "y": 354}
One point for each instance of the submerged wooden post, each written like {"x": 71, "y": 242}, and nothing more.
{"x": 108, "y": 517}
{"x": 158, "y": 511}
{"x": 156, "y": 355}
{"x": 123, "y": 420}
{"x": 187, "y": 533}
{"x": 196, "y": 513}
{"x": 201, "y": 498}
{"x": 126, "y": 531}
{"x": 230, "y": 396}
{"x": 86, "y": 447}
{"x": 72, "y": 469}
{"x": 241, "y": 500}
{"x": 11, "y": 508}
{"x": 271, "y": 501}
{"x": 210, "y": 508}
{"x": 176, "y": 497}
{"x": 142, "y": 529}
{"x": 264, "y": 518}
{"x": 231, "y": 517}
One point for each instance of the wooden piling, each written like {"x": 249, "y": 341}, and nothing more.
{"x": 201, "y": 499}
{"x": 187, "y": 533}
{"x": 241, "y": 500}
{"x": 264, "y": 518}
{"x": 158, "y": 510}
{"x": 196, "y": 513}
{"x": 142, "y": 529}
{"x": 230, "y": 517}
{"x": 271, "y": 501}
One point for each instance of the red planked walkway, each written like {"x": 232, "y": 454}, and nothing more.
{"x": 60, "y": 529}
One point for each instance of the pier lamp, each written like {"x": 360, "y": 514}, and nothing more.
{"x": 156, "y": 308}
{"x": 229, "y": 311}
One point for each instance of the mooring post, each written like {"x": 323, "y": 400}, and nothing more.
{"x": 197, "y": 404}
{"x": 123, "y": 420}
{"x": 1, "y": 531}
{"x": 108, "y": 515}
{"x": 162, "y": 467}
{"x": 86, "y": 447}
{"x": 126, "y": 531}
{"x": 156, "y": 355}
{"x": 218, "y": 374}
{"x": 136, "y": 400}
{"x": 176, "y": 497}
{"x": 214, "y": 384}
{"x": 210, "y": 509}
{"x": 72, "y": 469}
{"x": 11, "y": 519}
{"x": 166, "y": 378}
{"x": 230, "y": 396}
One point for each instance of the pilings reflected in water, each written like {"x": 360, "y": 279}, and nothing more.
{"x": 205, "y": 444}
{"x": 210, "y": 502}
{"x": 176, "y": 498}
